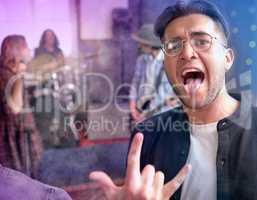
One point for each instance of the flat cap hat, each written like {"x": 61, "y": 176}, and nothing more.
{"x": 145, "y": 35}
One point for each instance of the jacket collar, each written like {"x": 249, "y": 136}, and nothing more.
{"x": 241, "y": 117}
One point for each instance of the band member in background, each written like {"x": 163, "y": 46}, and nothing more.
{"x": 48, "y": 55}
{"x": 150, "y": 90}
{"x": 20, "y": 142}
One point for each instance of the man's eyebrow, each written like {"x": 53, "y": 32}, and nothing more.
{"x": 192, "y": 33}
{"x": 195, "y": 33}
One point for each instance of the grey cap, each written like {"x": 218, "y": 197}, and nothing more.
{"x": 145, "y": 35}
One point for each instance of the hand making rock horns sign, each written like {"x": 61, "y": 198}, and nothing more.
{"x": 140, "y": 186}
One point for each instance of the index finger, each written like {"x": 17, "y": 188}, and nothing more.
{"x": 171, "y": 187}
{"x": 133, "y": 163}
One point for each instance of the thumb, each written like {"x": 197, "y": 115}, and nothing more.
{"x": 106, "y": 183}
{"x": 104, "y": 180}
{"x": 171, "y": 187}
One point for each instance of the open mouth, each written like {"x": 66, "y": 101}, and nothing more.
{"x": 192, "y": 80}
{"x": 193, "y": 75}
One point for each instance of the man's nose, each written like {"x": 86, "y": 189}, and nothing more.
{"x": 187, "y": 52}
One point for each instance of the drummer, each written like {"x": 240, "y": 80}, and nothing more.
{"x": 48, "y": 56}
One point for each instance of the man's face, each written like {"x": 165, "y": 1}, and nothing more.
{"x": 197, "y": 76}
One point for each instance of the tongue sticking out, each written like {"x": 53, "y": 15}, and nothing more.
{"x": 193, "y": 81}
{"x": 192, "y": 85}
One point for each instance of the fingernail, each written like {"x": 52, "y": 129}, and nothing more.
{"x": 140, "y": 135}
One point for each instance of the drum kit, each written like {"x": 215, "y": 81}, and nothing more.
{"x": 56, "y": 95}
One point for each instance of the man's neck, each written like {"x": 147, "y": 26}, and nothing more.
{"x": 223, "y": 106}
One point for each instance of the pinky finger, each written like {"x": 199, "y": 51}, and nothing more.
{"x": 158, "y": 184}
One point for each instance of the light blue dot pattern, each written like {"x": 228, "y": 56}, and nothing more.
{"x": 252, "y": 10}
{"x": 235, "y": 30}
{"x": 233, "y": 13}
{"x": 252, "y": 44}
{"x": 253, "y": 27}
{"x": 249, "y": 61}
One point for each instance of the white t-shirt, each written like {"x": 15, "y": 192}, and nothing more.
{"x": 201, "y": 183}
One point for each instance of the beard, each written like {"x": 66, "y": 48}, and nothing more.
{"x": 197, "y": 104}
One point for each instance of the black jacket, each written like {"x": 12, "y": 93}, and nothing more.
{"x": 167, "y": 141}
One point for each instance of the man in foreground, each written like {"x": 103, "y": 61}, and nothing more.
{"x": 213, "y": 132}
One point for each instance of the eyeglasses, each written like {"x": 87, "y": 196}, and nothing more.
{"x": 199, "y": 41}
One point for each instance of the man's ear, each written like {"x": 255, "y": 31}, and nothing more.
{"x": 229, "y": 56}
